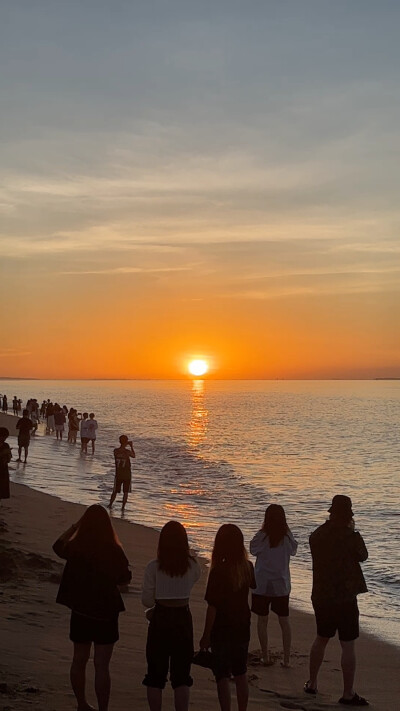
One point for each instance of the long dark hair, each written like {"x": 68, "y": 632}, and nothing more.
{"x": 173, "y": 553}
{"x": 95, "y": 535}
{"x": 229, "y": 550}
{"x": 275, "y": 525}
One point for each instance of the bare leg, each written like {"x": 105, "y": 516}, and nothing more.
{"x": 93, "y": 447}
{"x": 26, "y": 453}
{"x": 224, "y": 694}
{"x": 181, "y": 698}
{"x": 242, "y": 692}
{"x": 154, "y": 698}
{"x": 262, "y": 626}
{"x": 316, "y": 658}
{"x": 19, "y": 453}
{"x": 286, "y": 639}
{"x": 102, "y": 680}
{"x": 348, "y": 662}
{"x": 78, "y": 673}
{"x": 124, "y": 499}
{"x": 113, "y": 497}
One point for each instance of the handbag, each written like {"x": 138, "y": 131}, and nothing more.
{"x": 204, "y": 658}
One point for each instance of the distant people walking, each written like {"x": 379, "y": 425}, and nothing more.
{"x": 59, "y": 421}
{"x": 5, "y": 404}
{"x": 35, "y": 421}
{"x": 73, "y": 426}
{"x": 84, "y": 432}
{"x": 123, "y": 470}
{"x": 92, "y": 430}
{"x": 24, "y": 427}
{"x": 227, "y": 624}
{"x": 273, "y": 545}
{"x": 43, "y": 409}
{"x": 50, "y": 418}
{"x": 168, "y": 581}
{"x": 96, "y": 565}
{"x": 5, "y": 458}
{"x": 337, "y": 550}
{"x": 15, "y": 405}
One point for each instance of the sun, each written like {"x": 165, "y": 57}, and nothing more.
{"x": 198, "y": 367}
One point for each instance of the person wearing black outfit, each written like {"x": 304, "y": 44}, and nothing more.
{"x": 5, "y": 458}
{"x": 337, "y": 550}
{"x": 24, "y": 427}
{"x": 227, "y": 624}
{"x": 96, "y": 566}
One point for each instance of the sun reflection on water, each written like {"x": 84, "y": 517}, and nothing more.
{"x": 198, "y": 424}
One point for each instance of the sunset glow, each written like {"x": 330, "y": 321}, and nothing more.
{"x": 235, "y": 195}
{"x": 198, "y": 367}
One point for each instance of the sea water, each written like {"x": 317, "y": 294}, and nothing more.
{"x": 212, "y": 452}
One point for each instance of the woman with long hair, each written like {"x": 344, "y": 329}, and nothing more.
{"x": 96, "y": 566}
{"x": 227, "y": 624}
{"x": 168, "y": 581}
{"x": 273, "y": 545}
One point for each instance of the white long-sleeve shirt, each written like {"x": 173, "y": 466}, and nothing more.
{"x": 158, "y": 585}
{"x": 272, "y": 564}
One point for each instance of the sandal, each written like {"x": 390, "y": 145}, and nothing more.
{"x": 355, "y": 700}
{"x": 308, "y": 690}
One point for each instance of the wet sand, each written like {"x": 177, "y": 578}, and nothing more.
{"x": 35, "y": 650}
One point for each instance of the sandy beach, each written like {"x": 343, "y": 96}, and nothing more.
{"x": 35, "y": 650}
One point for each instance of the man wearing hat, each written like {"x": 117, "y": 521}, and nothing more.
{"x": 337, "y": 550}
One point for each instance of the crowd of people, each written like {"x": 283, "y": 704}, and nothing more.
{"x": 96, "y": 566}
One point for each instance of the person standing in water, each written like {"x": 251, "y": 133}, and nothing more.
{"x": 24, "y": 427}
{"x": 92, "y": 428}
{"x": 123, "y": 471}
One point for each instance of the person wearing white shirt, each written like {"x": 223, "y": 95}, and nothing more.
{"x": 91, "y": 428}
{"x": 167, "y": 584}
{"x": 273, "y": 546}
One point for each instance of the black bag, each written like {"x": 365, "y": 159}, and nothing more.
{"x": 204, "y": 658}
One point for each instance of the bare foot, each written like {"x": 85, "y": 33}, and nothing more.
{"x": 267, "y": 662}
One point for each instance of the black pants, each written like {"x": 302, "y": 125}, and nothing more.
{"x": 169, "y": 646}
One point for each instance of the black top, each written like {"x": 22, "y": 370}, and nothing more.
{"x": 5, "y": 456}
{"x": 122, "y": 464}
{"x": 336, "y": 552}
{"x": 89, "y": 586}
{"x": 59, "y": 418}
{"x": 24, "y": 425}
{"x": 232, "y": 606}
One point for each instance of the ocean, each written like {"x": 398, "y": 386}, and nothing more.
{"x": 213, "y": 452}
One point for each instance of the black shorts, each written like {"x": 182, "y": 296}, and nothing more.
{"x": 84, "y": 629}
{"x": 169, "y": 646}
{"x": 229, "y": 654}
{"x": 124, "y": 483}
{"x": 23, "y": 440}
{"x": 337, "y": 617}
{"x": 84, "y": 440}
{"x": 260, "y": 605}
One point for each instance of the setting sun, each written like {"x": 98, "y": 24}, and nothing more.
{"x": 198, "y": 367}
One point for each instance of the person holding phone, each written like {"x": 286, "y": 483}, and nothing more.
{"x": 337, "y": 550}
{"x": 123, "y": 470}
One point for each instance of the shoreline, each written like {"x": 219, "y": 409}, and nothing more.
{"x": 37, "y": 651}
{"x": 45, "y": 452}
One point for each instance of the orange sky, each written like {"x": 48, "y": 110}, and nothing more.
{"x": 194, "y": 182}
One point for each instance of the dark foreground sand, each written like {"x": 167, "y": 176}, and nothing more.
{"x": 35, "y": 651}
